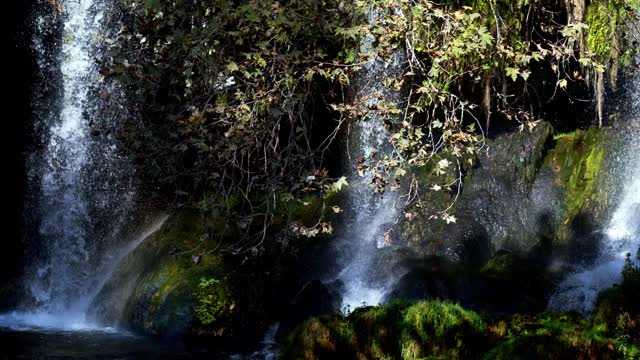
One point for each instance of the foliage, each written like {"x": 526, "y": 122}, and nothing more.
{"x": 618, "y": 308}
{"x": 551, "y": 336}
{"x": 247, "y": 97}
{"x": 631, "y": 271}
{"x": 227, "y": 94}
{"x": 210, "y": 302}
{"x": 398, "y": 330}
{"x": 441, "y": 330}
{"x": 464, "y": 63}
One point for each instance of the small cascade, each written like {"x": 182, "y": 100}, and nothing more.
{"x": 622, "y": 234}
{"x": 365, "y": 278}
{"x": 622, "y": 237}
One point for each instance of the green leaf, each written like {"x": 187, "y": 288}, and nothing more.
{"x": 339, "y": 184}
{"x": 232, "y": 67}
{"x": 513, "y": 73}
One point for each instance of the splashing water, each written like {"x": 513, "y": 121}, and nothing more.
{"x": 579, "y": 290}
{"x": 364, "y": 281}
{"x": 622, "y": 235}
{"x": 85, "y": 187}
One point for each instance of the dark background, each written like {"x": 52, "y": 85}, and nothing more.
{"x": 16, "y": 125}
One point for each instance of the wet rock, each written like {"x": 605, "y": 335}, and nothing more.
{"x": 431, "y": 278}
{"x": 505, "y": 283}
{"x": 163, "y": 292}
{"x": 531, "y": 193}
{"x": 314, "y": 299}
{"x": 178, "y": 284}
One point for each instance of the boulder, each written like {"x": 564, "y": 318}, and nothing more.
{"x": 187, "y": 280}
{"x": 159, "y": 289}
{"x": 314, "y": 299}
{"x": 531, "y": 193}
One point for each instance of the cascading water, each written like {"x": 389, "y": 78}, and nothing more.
{"x": 84, "y": 185}
{"x": 363, "y": 280}
{"x": 64, "y": 210}
{"x": 622, "y": 234}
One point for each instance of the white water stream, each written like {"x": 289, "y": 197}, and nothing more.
{"x": 365, "y": 279}
{"x": 84, "y": 186}
{"x": 622, "y": 234}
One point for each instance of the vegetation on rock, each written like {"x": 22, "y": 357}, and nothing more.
{"x": 433, "y": 329}
{"x": 248, "y": 97}
{"x": 444, "y": 330}
{"x": 618, "y": 308}
{"x": 395, "y": 331}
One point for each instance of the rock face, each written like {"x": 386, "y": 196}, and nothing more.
{"x": 531, "y": 192}
{"x": 507, "y": 283}
{"x": 532, "y": 202}
{"x": 180, "y": 283}
{"x": 168, "y": 287}
{"x": 532, "y": 207}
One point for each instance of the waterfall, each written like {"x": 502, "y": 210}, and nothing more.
{"x": 622, "y": 236}
{"x": 84, "y": 186}
{"x": 364, "y": 276}
{"x": 622, "y": 233}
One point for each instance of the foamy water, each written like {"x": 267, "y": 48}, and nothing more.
{"x": 43, "y": 321}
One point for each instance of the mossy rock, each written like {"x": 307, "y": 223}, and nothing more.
{"x": 442, "y": 330}
{"x": 552, "y": 336}
{"x": 493, "y": 211}
{"x": 178, "y": 282}
{"x": 577, "y": 166}
{"x": 529, "y": 192}
{"x": 396, "y": 331}
{"x": 171, "y": 285}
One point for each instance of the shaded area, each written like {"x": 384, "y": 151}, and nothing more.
{"x": 92, "y": 345}
{"x": 18, "y": 115}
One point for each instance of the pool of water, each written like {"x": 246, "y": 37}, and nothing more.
{"x": 56, "y": 344}
{"x": 32, "y": 343}
{"x": 41, "y": 335}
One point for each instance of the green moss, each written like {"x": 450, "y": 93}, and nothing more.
{"x": 559, "y": 136}
{"x": 603, "y": 21}
{"x": 582, "y": 179}
{"x": 606, "y": 20}
{"x": 551, "y": 336}
{"x": 210, "y": 301}
{"x": 324, "y": 337}
{"x": 163, "y": 283}
{"x": 377, "y": 329}
{"x": 577, "y": 161}
{"x": 397, "y": 330}
{"x": 180, "y": 283}
{"x": 501, "y": 266}
{"x": 440, "y": 328}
